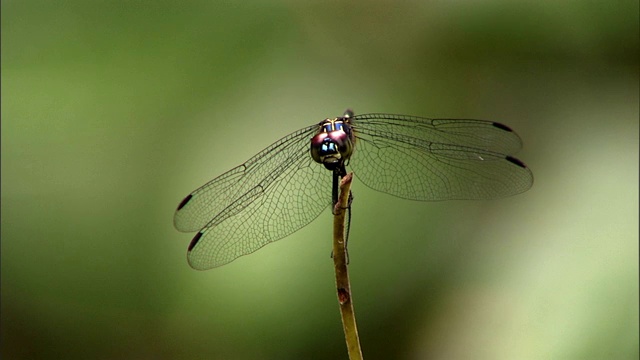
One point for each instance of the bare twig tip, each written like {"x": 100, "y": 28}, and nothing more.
{"x": 346, "y": 179}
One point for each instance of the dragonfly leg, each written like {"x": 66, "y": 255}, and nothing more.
{"x": 346, "y": 237}
{"x": 337, "y": 174}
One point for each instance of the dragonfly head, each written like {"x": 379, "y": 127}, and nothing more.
{"x": 333, "y": 144}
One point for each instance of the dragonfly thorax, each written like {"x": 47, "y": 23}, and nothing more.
{"x": 333, "y": 145}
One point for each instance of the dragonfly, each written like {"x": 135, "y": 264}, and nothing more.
{"x": 287, "y": 185}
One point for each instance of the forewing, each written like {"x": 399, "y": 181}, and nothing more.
{"x": 204, "y": 203}
{"x": 287, "y": 197}
{"x": 438, "y": 159}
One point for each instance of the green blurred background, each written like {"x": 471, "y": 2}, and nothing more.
{"x": 113, "y": 111}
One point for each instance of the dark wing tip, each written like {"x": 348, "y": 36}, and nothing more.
{"x": 502, "y": 126}
{"x": 184, "y": 202}
{"x": 516, "y": 161}
{"x": 194, "y": 241}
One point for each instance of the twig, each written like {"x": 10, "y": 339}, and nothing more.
{"x": 342, "y": 275}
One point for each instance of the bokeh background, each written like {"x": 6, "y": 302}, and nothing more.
{"x": 113, "y": 111}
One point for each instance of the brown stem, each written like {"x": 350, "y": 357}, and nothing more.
{"x": 342, "y": 275}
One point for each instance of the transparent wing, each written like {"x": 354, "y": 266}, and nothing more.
{"x": 273, "y": 194}
{"x": 200, "y": 207}
{"x": 437, "y": 159}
